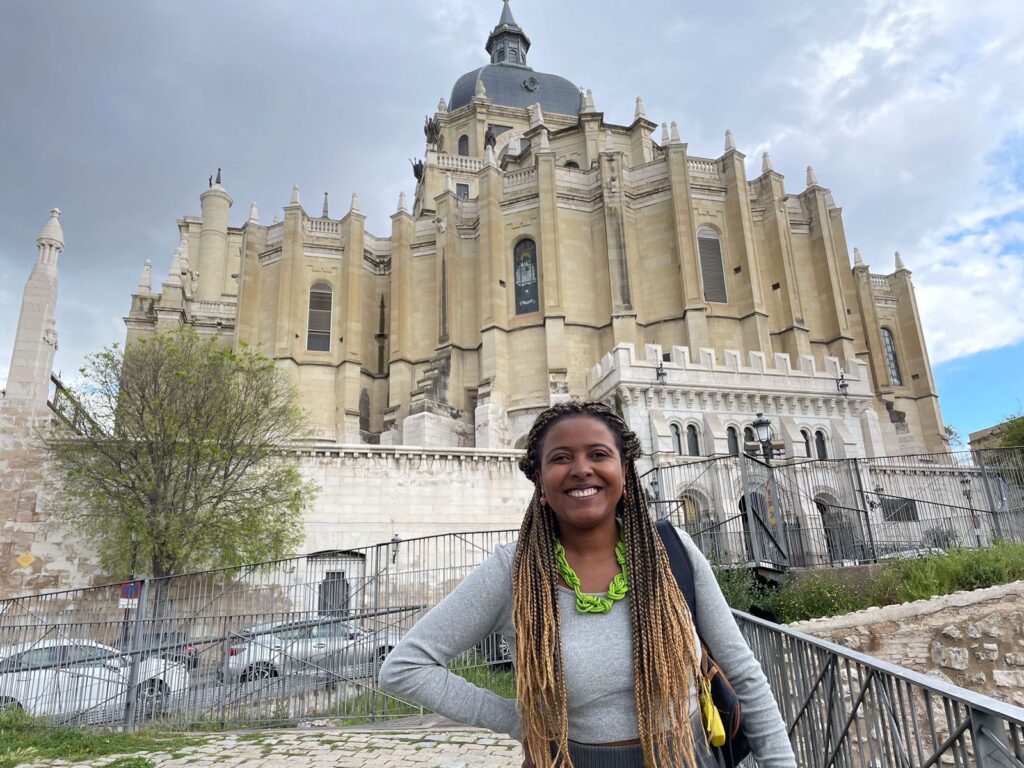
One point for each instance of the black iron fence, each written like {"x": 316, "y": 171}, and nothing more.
{"x": 807, "y": 513}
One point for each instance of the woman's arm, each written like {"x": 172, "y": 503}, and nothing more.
{"x": 762, "y": 722}
{"x": 415, "y": 670}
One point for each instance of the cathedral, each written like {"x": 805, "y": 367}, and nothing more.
{"x": 546, "y": 254}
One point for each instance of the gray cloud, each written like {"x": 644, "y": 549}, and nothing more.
{"x": 117, "y": 112}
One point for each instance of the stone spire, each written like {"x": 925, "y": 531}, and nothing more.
{"x": 608, "y": 146}
{"x": 401, "y": 203}
{"x": 254, "y": 214}
{"x": 146, "y": 280}
{"x": 900, "y": 266}
{"x": 675, "y": 133}
{"x": 324, "y": 215}
{"x": 507, "y": 43}
{"x": 480, "y": 91}
{"x": 730, "y": 140}
{"x": 296, "y": 200}
{"x": 354, "y": 207}
{"x": 664, "y": 134}
{"x": 857, "y": 260}
{"x": 442, "y": 106}
{"x": 588, "y": 101}
{"x": 536, "y": 115}
{"x": 35, "y": 341}
{"x": 173, "y": 278}
{"x": 545, "y": 143}
{"x": 766, "y": 163}
{"x": 489, "y": 155}
{"x": 639, "y": 111}
{"x": 812, "y": 179}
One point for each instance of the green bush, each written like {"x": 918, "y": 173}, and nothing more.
{"x": 814, "y": 595}
{"x": 959, "y": 569}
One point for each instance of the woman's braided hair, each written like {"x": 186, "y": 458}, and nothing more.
{"x": 665, "y": 655}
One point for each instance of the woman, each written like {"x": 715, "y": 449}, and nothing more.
{"x": 606, "y": 651}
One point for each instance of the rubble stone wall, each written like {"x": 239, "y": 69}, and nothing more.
{"x": 971, "y": 639}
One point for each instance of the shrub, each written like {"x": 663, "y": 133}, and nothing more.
{"x": 815, "y": 595}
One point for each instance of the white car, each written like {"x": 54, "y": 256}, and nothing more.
{"x": 60, "y": 678}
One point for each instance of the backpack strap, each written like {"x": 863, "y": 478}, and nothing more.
{"x": 682, "y": 568}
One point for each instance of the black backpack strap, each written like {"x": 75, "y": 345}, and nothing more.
{"x": 682, "y": 568}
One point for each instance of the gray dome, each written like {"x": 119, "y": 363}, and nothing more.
{"x": 516, "y": 86}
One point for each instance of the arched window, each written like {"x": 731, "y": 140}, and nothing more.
{"x": 692, "y": 441}
{"x": 677, "y": 440}
{"x": 748, "y": 435}
{"x": 734, "y": 441}
{"x": 572, "y": 164}
{"x": 525, "y": 268}
{"x": 318, "y": 329}
{"x": 890, "y": 357}
{"x": 819, "y": 444}
{"x": 513, "y": 54}
{"x": 807, "y": 443}
{"x": 709, "y": 247}
{"x": 463, "y": 145}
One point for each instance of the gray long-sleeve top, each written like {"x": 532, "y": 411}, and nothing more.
{"x": 597, "y": 661}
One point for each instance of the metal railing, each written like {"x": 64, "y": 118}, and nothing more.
{"x": 275, "y": 643}
{"x": 806, "y": 513}
{"x": 846, "y": 709}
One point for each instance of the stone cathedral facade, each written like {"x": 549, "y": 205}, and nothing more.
{"x": 546, "y": 253}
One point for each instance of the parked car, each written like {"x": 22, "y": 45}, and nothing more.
{"x": 328, "y": 646}
{"x": 71, "y": 676}
{"x": 172, "y": 646}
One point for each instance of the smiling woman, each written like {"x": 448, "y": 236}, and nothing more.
{"x": 588, "y": 583}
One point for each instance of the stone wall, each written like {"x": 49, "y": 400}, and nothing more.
{"x": 37, "y": 553}
{"x": 367, "y": 495}
{"x": 971, "y": 639}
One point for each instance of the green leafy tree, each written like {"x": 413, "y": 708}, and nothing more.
{"x": 178, "y": 464}
{"x": 1012, "y": 431}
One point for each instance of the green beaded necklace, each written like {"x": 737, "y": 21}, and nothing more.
{"x": 594, "y": 603}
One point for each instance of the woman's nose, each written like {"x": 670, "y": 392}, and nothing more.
{"x": 581, "y": 467}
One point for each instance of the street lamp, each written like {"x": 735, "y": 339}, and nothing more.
{"x": 396, "y": 540}
{"x": 842, "y": 384}
{"x": 965, "y": 485}
{"x": 661, "y": 373}
{"x": 762, "y": 427}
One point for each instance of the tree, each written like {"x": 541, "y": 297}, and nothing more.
{"x": 1011, "y": 431}
{"x": 953, "y": 437}
{"x": 179, "y": 462}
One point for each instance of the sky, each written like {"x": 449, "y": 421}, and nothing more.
{"x": 911, "y": 112}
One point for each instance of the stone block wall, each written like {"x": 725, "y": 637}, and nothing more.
{"x": 37, "y": 553}
{"x": 971, "y": 639}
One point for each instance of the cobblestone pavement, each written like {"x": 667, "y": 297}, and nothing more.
{"x": 348, "y": 748}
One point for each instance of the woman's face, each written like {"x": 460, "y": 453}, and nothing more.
{"x": 581, "y": 472}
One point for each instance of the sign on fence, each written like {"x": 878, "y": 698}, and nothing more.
{"x": 129, "y": 595}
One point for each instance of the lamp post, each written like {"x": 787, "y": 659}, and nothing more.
{"x": 396, "y": 541}
{"x": 842, "y": 384}
{"x": 965, "y": 485}
{"x": 762, "y": 427}
{"x": 661, "y": 373}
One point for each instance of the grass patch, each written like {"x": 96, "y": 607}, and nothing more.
{"x": 823, "y": 594}
{"x": 25, "y": 739}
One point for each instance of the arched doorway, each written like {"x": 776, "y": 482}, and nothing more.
{"x": 698, "y": 520}
{"x": 839, "y": 529}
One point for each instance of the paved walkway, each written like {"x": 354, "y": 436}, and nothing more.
{"x": 344, "y": 748}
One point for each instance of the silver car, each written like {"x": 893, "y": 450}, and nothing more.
{"x": 67, "y": 677}
{"x": 329, "y": 647}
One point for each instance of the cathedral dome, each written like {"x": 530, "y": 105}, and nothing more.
{"x": 508, "y": 81}
{"x": 517, "y": 86}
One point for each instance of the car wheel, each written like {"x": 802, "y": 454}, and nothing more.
{"x": 259, "y": 673}
{"x": 151, "y": 699}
